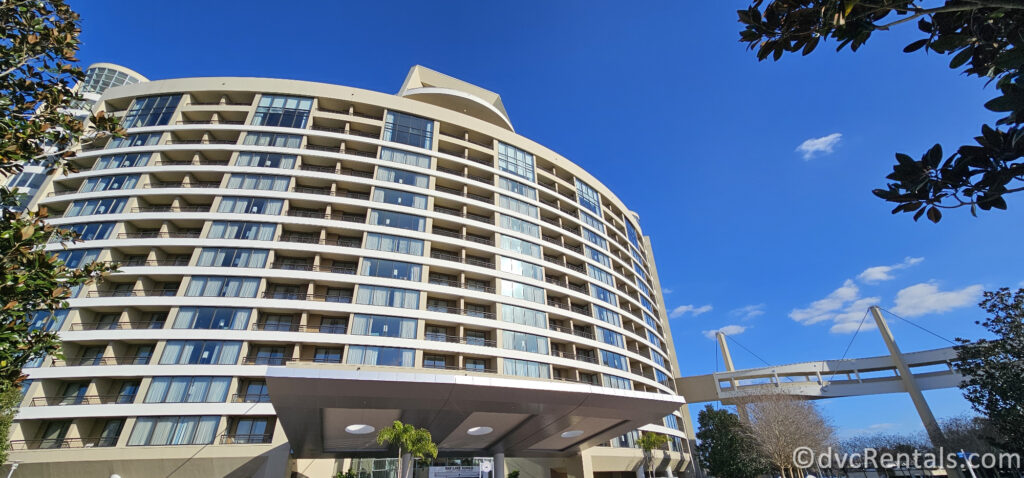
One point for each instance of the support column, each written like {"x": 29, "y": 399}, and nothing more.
{"x": 499, "y": 465}
{"x": 930, "y": 424}
{"x": 727, "y": 358}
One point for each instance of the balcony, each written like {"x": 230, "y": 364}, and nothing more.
{"x": 342, "y": 299}
{"x": 321, "y": 329}
{"x": 60, "y": 443}
{"x": 455, "y": 339}
{"x": 458, "y": 311}
{"x": 580, "y": 357}
{"x": 95, "y": 361}
{"x": 54, "y": 401}
{"x": 462, "y": 285}
{"x": 250, "y": 398}
{"x": 124, "y": 325}
{"x": 461, "y": 369}
{"x": 249, "y": 439}
{"x": 133, "y": 293}
{"x": 159, "y": 235}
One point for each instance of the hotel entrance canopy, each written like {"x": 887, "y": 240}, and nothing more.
{"x": 327, "y": 411}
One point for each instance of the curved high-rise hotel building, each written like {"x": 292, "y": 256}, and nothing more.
{"x": 301, "y": 264}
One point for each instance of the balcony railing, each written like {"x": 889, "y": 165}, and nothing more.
{"x": 455, "y": 339}
{"x": 462, "y": 285}
{"x": 250, "y": 398}
{"x": 265, "y": 360}
{"x": 96, "y": 361}
{"x": 571, "y": 356}
{"x": 461, "y": 369}
{"x": 172, "y": 209}
{"x": 133, "y": 293}
{"x": 182, "y": 261}
{"x": 337, "y": 269}
{"x": 148, "y": 324}
{"x": 159, "y": 235}
{"x": 250, "y": 439}
{"x": 53, "y": 401}
{"x": 57, "y": 443}
{"x": 458, "y": 311}
{"x": 316, "y": 329}
{"x": 343, "y": 299}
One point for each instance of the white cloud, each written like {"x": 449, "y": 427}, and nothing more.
{"x": 850, "y": 319}
{"x": 727, "y": 330}
{"x": 748, "y": 312}
{"x": 926, "y": 298}
{"x": 876, "y": 274}
{"x": 824, "y": 145}
{"x": 691, "y": 309}
{"x": 825, "y": 309}
{"x": 666, "y": 291}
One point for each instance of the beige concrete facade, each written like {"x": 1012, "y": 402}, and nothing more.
{"x": 270, "y": 226}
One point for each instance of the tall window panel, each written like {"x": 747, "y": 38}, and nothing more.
{"x": 283, "y": 111}
{"x": 614, "y": 360}
{"x": 381, "y": 326}
{"x": 91, "y": 231}
{"x": 607, "y": 316}
{"x": 397, "y": 219}
{"x": 232, "y": 257}
{"x": 658, "y": 359}
{"x": 598, "y": 256}
{"x": 47, "y": 321}
{"x": 224, "y": 318}
{"x": 399, "y": 198}
{"x": 188, "y": 390}
{"x": 611, "y": 338}
{"x": 402, "y": 177}
{"x": 516, "y": 161}
{"x": 600, "y": 274}
{"x": 526, "y": 368}
{"x": 389, "y": 243}
{"x": 524, "y": 342}
{"x": 200, "y": 352}
{"x": 257, "y": 231}
{"x": 133, "y": 140}
{"x": 595, "y": 239}
{"x": 524, "y": 316}
{"x": 650, "y": 321}
{"x": 588, "y": 197}
{"x": 515, "y": 244}
{"x": 265, "y": 160}
{"x": 521, "y": 268}
{"x": 517, "y": 188}
{"x": 277, "y": 140}
{"x": 515, "y": 205}
{"x": 603, "y": 294}
{"x": 405, "y": 157}
{"x": 109, "y": 183}
{"x": 653, "y": 339}
{"x": 612, "y": 381}
{"x": 217, "y": 286}
{"x": 632, "y": 235}
{"x": 191, "y": 430}
{"x": 388, "y": 297}
{"x": 518, "y": 225}
{"x": 96, "y": 206}
{"x": 260, "y": 182}
{"x": 388, "y": 356}
{"x": 391, "y": 269}
{"x": 247, "y": 205}
{"x": 646, "y": 304}
{"x": 522, "y": 291}
{"x": 592, "y": 221}
{"x": 132, "y": 160}
{"x": 150, "y": 111}
{"x": 408, "y": 129}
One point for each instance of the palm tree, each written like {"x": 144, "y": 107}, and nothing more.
{"x": 648, "y": 442}
{"x": 410, "y": 441}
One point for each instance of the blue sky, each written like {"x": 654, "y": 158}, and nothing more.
{"x": 667, "y": 108}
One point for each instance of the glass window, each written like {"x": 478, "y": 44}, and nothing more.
{"x": 188, "y": 390}
{"x": 232, "y": 257}
{"x": 598, "y": 256}
{"x": 606, "y": 315}
{"x": 90, "y": 231}
{"x": 284, "y": 111}
{"x": 277, "y": 140}
{"x": 518, "y": 225}
{"x": 603, "y": 294}
{"x": 646, "y": 304}
{"x": 588, "y": 197}
{"x": 658, "y": 359}
{"x": 389, "y": 243}
{"x": 513, "y": 244}
{"x": 631, "y": 233}
{"x": 600, "y": 274}
{"x": 643, "y": 287}
{"x": 388, "y": 297}
{"x": 595, "y": 239}
{"x": 516, "y": 161}
{"x": 650, "y": 321}
{"x": 132, "y": 140}
{"x": 390, "y": 356}
{"x": 614, "y": 360}
{"x": 78, "y": 258}
{"x": 521, "y": 268}
{"x": 381, "y": 326}
{"x": 261, "y": 182}
{"x": 397, "y": 219}
{"x": 405, "y": 157}
{"x": 522, "y": 315}
{"x": 400, "y": 198}
{"x": 517, "y": 187}
{"x": 636, "y": 256}
{"x": 610, "y": 338}
{"x": 653, "y": 338}
{"x": 526, "y": 368}
{"x": 47, "y": 321}
{"x": 191, "y": 430}
{"x": 109, "y": 183}
{"x": 200, "y": 352}
{"x": 212, "y": 318}
{"x": 408, "y": 129}
{"x": 592, "y": 221}
{"x": 522, "y": 207}
{"x": 612, "y": 381}
{"x": 96, "y": 206}
{"x": 150, "y": 111}
{"x": 522, "y": 291}
{"x": 132, "y": 160}
{"x": 391, "y": 269}
{"x": 524, "y": 342}
{"x": 639, "y": 271}
{"x": 26, "y": 180}
{"x": 242, "y": 230}
{"x": 246, "y": 205}
{"x": 327, "y": 355}
{"x": 218, "y": 286}
{"x": 99, "y": 79}
{"x": 403, "y": 177}
{"x": 265, "y": 160}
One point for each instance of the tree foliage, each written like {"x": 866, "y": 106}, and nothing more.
{"x": 409, "y": 440}
{"x": 38, "y": 42}
{"x": 649, "y": 442}
{"x": 994, "y": 368}
{"x": 779, "y": 424}
{"x": 983, "y": 37}
{"x": 726, "y": 449}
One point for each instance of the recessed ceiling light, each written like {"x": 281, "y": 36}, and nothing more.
{"x": 479, "y": 430}
{"x": 572, "y": 433}
{"x": 359, "y": 429}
